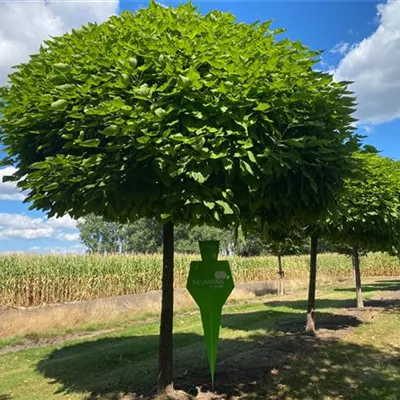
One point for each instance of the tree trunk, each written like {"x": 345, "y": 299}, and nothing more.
{"x": 167, "y": 306}
{"x": 357, "y": 276}
{"x": 310, "y": 327}
{"x": 281, "y": 274}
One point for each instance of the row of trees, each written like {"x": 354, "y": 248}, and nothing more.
{"x": 188, "y": 119}
{"x": 145, "y": 236}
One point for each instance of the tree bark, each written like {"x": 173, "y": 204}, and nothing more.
{"x": 165, "y": 353}
{"x": 310, "y": 327}
{"x": 357, "y": 276}
{"x": 281, "y": 274}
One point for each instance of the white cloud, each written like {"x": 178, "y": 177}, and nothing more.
{"x": 368, "y": 129}
{"x": 27, "y": 233}
{"x": 78, "y": 249}
{"x": 9, "y": 190}
{"x": 20, "y": 226}
{"x": 20, "y": 221}
{"x": 65, "y": 222}
{"x": 341, "y": 48}
{"x": 24, "y": 25}
{"x": 70, "y": 237}
{"x": 373, "y": 65}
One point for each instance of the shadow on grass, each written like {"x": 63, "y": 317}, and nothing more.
{"x": 320, "y": 304}
{"x": 247, "y": 364}
{"x": 285, "y": 322}
{"x": 337, "y": 370}
{"x": 384, "y": 285}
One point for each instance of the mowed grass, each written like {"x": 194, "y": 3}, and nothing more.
{"x": 32, "y": 280}
{"x": 262, "y": 354}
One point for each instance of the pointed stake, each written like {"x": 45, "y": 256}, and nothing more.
{"x": 211, "y": 323}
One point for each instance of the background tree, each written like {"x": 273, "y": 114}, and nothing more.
{"x": 251, "y": 246}
{"x": 145, "y": 236}
{"x": 100, "y": 236}
{"x": 187, "y": 238}
{"x": 368, "y": 218}
{"x": 185, "y": 118}
{"x": 142, "y": 236}
{"x": 285, "y": 242}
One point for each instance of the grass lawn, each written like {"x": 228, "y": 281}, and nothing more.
{"x": 262, "y": 354}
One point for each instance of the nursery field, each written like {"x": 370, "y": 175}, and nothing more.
{"x": 30, "y": 280}
{"x": 263, "y": 353}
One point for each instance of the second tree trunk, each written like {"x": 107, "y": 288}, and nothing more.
{"x": 357, "y": 276}
{"x": 310, "y": 327}
{"x": 281, "y": 275}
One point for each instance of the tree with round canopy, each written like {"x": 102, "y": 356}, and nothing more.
{"x": 368, "y": 216}
{"x": 184, "y": 117}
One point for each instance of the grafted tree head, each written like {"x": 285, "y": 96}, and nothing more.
{"x": 172, "y": 114}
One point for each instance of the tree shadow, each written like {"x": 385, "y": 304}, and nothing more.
{"x": 109, "y": 367}
{"x": 5, "y": 396}
{"x": 383, "y": 285}
{"x": 287, "y": 366}
{"x": 285, "y": 322}
{"x": 320, "y": 304}
{"x": 336, "y": 370}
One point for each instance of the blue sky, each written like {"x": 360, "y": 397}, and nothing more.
{"x": 359, "y": 40}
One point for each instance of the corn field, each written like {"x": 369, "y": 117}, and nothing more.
{"x": 32, "y": 280}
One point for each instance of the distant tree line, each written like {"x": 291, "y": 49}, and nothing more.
{"x": 145, "y": 236}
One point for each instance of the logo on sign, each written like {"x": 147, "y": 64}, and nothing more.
{"x": 220, "y": 275}
{"x": 218, "y": 282}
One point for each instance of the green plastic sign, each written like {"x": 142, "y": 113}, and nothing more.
{"x": 210, "y": 283}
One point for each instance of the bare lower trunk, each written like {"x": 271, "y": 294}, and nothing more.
{"x": 281, "y": 275}
{"x": 167, "y": 307}
{"x": 310, "y": 327}
{"x": 357, "y": 276}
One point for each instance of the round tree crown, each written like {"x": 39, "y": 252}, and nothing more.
{"x": 172, "y": 114}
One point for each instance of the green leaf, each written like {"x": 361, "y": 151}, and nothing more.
{"x": 143, "y": 92}
{"x": 199, "y": 177}
{"x": 209, "y": 204}
{"x": 62, "y": 67}
{"x": 262, "y": 107}
{"x": 39, "y": 165}
{"x": 133, "y": 62}
{"x": 90, "y": 143}
{"x": 244, "y": 166}
{"x": 111, "y": 130}
{"x": 251, "y": 156}
{"x": 160, "y": 112}
{"x": 51, "y": 186}
{"x": 193, "y": 75}
{"x": 183, "y": 81}
{"x": 68, "y": 87}
{"x": 295, "y": 142}
{"x": 225, "y": 206}
{"x": 60, "y": 105}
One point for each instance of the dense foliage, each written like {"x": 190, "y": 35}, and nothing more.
{"x": 368, "y": 212}
{"x": 190, "y": 118}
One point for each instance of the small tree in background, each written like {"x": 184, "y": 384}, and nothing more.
{"x": 368, "y": 218}
{"x": 180, "y": 117}
{"x": 283, "y": 243}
